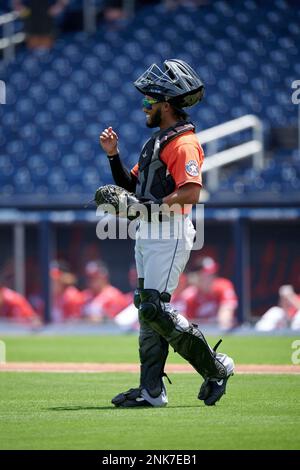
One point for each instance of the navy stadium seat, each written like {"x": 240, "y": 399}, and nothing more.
{"x": 61, "y": 99}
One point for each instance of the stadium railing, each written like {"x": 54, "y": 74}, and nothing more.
{"x": 10, "y": 38}
{"x": 216, "y": 160}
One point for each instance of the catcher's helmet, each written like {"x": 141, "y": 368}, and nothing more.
{"x": 179, "y": 84}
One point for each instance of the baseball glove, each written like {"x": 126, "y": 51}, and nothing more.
{"x": 116, "y": 200}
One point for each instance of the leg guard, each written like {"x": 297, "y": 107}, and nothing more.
{"x": 153, "y": 350}
{"x": 185, "y": 338}
{"x": 212, "y": 390}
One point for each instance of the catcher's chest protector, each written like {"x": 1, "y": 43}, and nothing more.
{"x": 154, "y": 180}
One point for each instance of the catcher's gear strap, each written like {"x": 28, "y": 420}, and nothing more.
{"x": 185, "y": 338}
{"x": 173, "y": 132}
{"x": 136, "y": 298}
{"x": 121, "y": 175}
{"x": 154, "y": 180}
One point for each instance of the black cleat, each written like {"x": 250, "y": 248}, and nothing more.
{"x": 130, "y": 399}
{"x": 212, "y": 390}
{"x": 204, "y": 390}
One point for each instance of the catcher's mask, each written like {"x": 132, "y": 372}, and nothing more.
{"x": 178, "y": 84}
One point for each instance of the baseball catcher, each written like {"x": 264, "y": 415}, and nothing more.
{"x": 168, "y": 172}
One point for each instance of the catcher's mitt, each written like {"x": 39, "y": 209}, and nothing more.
{"x": 116, "y": 200}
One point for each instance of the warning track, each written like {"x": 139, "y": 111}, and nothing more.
{"x": 68, "y": 367}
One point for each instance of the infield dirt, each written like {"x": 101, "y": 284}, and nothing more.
{"x": 134, "y": 368}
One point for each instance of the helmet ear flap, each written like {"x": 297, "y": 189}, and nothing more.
{"x": 190, "y": 99}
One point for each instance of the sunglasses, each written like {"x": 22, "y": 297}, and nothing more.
{"x": 149, "y": 102}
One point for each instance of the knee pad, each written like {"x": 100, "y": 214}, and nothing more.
{"x": 152, "y": 311}
{"x": 152, "y": 303}
{"x": 149, "y": 304}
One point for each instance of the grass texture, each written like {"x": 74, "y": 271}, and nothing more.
{"x": 73, "y": 411}
{"x": 244, "y": 349}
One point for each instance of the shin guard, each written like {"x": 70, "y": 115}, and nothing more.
{"x": 185, "y": 338}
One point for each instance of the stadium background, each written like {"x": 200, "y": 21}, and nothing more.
{"x": 59, "y": 100}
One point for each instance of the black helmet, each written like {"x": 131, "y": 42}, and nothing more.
{"x": 179, "y": 84}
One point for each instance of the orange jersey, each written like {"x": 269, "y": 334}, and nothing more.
{"x": 183, "y": 157}
{"x": 108, "y": 303}
{"x": 68, "y": 305}
{"x": 15, "y": 307}
{"x": 205, "y": 305}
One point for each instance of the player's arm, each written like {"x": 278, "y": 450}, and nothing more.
{"x": 109, "y": 143}
{"x": 226, "y": 316}
{"x": 186, "y": 194}
{"x": 23, "y": 311}
{"x": 184, "y": 164}
{"x": 228, "y": 304}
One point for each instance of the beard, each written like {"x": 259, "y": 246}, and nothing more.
{"x": 155, "y": 119}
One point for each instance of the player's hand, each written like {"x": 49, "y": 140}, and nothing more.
{"x": 109, "y": 141}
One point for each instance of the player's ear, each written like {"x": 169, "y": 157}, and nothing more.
{"x": 167, "y": 107}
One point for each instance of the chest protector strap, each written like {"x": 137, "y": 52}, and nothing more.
{"x": 154, "y": 179}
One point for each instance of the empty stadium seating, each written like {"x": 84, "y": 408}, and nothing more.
{"x": 58, "y": 101}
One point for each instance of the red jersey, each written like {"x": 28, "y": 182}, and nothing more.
{"x": 108, "y": 303}
{"x": 68, "y": 305}
{"x": 205, "y": 305}
{"x": 14, "y": 306}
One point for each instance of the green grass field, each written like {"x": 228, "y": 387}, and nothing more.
{"x": 245, "y": 350}
{"x": 73, "y": 411}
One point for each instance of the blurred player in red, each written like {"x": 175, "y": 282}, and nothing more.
{"x": 14, "y": 307}
{"x": 67, "y": 300}
{"x": 210, "y": 299}
{"x": 286, "y": 314}
{"x": 102, "y": 300}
